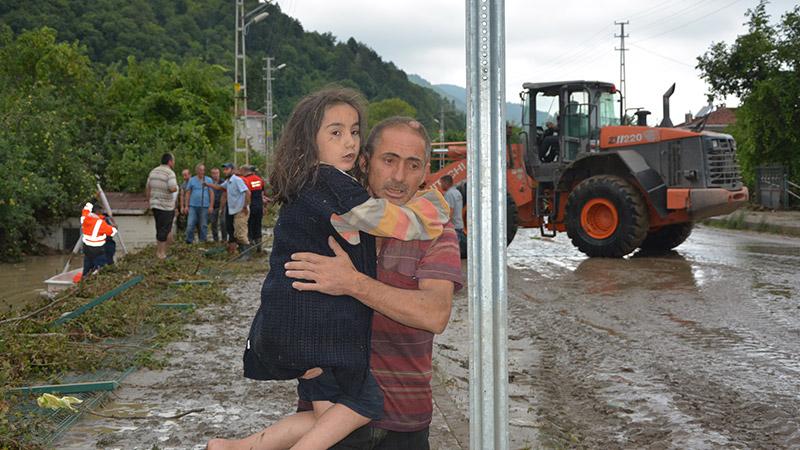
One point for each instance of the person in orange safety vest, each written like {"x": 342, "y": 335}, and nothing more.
{"x": 95, "y": 231}
{"x": 257, "y": 188}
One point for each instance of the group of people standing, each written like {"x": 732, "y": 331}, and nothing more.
{"x": 234, "y": 206}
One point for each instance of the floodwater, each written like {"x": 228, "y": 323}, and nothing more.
{"x": 695, "y": 349}
{"x": 24, "y": 281}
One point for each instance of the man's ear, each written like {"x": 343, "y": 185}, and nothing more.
{"x": 425, "y": 175}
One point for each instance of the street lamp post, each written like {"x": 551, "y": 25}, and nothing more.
{"x": 243, "y": 22}
{"x": 268, "y": 71}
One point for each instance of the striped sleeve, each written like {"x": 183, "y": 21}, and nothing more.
{"x": 442, "y": 260}
{"x": 422, "y": 218}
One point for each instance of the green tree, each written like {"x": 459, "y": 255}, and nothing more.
{"x": 762, "y": 68}
{"x": 47, "y": 100}
{"x": 388, "y": 108}
{"x": 154, "y": 107}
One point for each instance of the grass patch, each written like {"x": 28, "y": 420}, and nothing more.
{"x": 37, "y": 352}
{"x": 737, "y": 221}
{"x": 734, "y": 221}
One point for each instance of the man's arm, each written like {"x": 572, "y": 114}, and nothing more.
{"x": 186, "y": 195}
{"x": 426, "y": 308}
{"x": 147, "y": 189}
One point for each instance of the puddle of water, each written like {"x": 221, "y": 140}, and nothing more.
{"x": 24, "y": 281}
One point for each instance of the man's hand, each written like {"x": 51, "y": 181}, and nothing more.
{"x": 211, "y": 209}
{"x": 332, "y": 275}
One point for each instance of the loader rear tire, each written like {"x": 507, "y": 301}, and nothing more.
{"x": 667, "y": 237}
{"x": 606, "y": 217}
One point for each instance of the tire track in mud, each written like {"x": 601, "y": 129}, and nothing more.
{"x": 697, "y": 349}
{"x": 572, "y": 407}
{"x": 600, "y": 387}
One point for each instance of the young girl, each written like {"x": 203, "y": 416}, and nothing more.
{"x": 295, "y": 333}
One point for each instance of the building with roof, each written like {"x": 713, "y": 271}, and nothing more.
{"x": 254, "y": 132}
{"x": 711, "y": 118}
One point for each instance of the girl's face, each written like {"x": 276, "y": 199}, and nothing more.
{"x": 339, "y": 137}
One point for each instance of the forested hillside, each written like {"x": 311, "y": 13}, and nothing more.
{"x": 98, "y": 90}
{"x": 176, "y": 30}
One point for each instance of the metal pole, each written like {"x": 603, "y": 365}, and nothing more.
{"x": 244, "y": 89}
{"x": 486, "y": 175}
{"x": 623, "y": 87}
{"x": 441, "y": 125}
{"x": 236, "y": 85}
{"x": 269, "y": 108}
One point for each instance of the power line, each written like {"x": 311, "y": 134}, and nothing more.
{"x": 727, "y": 5}
{"x": 660, "y": 21}
{"x": 662, "y": 56}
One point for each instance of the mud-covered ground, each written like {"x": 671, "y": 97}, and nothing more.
{"x": 696, "y": 349}
{"x": 204, "y": 370}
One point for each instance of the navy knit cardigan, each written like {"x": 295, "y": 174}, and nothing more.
{"x": 294, "y": 331}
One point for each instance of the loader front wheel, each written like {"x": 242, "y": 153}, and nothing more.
{"x": 606, "y": 217}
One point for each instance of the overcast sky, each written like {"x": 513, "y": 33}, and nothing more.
{"x": 546, "y": 41}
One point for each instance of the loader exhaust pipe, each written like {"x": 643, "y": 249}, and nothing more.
{"x": 667, "y": 122}
{"x": 641, "y": 117}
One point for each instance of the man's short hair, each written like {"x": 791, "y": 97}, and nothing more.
{"x": 447, "y": 179}
{"x": 166, "y": 158}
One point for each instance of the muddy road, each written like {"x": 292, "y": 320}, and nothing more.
{"x": 696, "y": 349}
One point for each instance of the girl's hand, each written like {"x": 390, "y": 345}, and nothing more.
{"x": 312, "y": 373}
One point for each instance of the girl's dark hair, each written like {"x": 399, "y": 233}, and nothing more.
{"x": 296, "y": 156}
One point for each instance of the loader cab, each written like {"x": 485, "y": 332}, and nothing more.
{"x": 562, "y": 121}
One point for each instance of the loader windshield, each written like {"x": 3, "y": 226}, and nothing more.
{"x": 607, "y": 109}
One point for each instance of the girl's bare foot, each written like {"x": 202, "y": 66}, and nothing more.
{"x": 219, "y": 444}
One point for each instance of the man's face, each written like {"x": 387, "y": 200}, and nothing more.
{"x": 397, "y": 167}
{"x": 215, "y": 173}
{"x": 171, "y": 163}
{"x": 446, "y": 185}
{"x": 201, "y": 171}
{"x": 186, "y": 174}
{"x": 228, "y": 171}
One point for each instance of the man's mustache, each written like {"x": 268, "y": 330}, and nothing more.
{"x": 396, "y": 186}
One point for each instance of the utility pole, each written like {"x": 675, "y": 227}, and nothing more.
{"x": 240, "y": 84}
{"x": 268, "y": 71}
{"x": 441, "y": 125}
{"x": 243, "y": 21}
{"x": 268, "y": 106}
{"x": 622, "y": 86}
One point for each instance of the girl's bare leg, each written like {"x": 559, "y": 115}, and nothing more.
{"x": 333, "y": 425}
{"x": 279, "y": 436}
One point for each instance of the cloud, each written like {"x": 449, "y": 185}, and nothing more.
{"x": 568, "y": 39}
